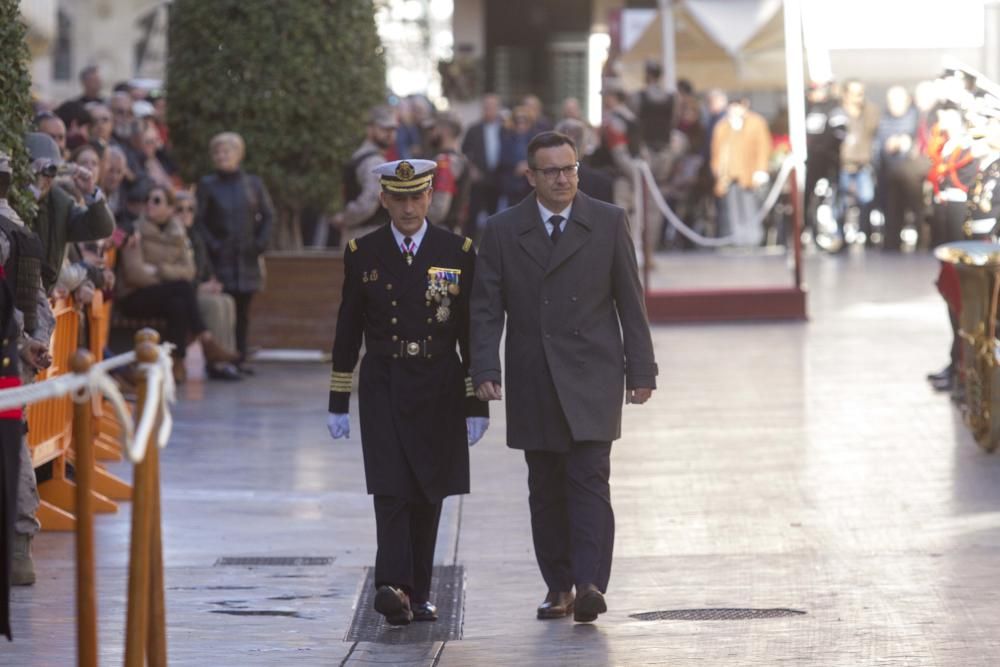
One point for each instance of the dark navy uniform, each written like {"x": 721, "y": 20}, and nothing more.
{"x": 414, "y": 393}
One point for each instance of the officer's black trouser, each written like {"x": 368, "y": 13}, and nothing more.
{"x": 947, "y": 224}
{"x": 572, "y": 523}
{"x": 407, "y": 533}
{"x": 174, "y": 301}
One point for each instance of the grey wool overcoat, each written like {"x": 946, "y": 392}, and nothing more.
{"x": 577, "y": 332}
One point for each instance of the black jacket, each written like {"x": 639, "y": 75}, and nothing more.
{"x": 414, "y": 393}
{"x": 234, "y": 218}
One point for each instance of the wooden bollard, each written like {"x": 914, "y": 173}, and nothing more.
{"x": 140, "y": 560}
{"x": 86, "y": 595}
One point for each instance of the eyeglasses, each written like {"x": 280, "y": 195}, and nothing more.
{"x": 185, "y": 209}
{"x": 552, "y": 173}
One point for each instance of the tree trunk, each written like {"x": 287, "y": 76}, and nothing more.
{"x": 289, "y": 236}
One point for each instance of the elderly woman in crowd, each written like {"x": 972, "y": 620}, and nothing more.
{"x": 217, "y": 308}
{"x": 234, "y": 218}
{"x": 157, "y": 267}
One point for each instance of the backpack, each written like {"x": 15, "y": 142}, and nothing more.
{"x": 350, "y": 188}
{"x": 656, "y": 120}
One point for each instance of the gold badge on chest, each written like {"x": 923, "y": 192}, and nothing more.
{"x": 369, "y": 276}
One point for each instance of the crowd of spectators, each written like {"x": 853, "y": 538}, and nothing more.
{"x": 164, "y": 251}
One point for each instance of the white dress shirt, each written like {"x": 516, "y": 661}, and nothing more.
{"x": 416, "y": 237}
{"x": 546, "y": 214}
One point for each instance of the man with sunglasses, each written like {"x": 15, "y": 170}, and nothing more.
{"x": 561, "y": 270}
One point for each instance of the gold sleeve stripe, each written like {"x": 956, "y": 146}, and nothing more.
{"x": 353, "y": 245}
{"x": 341, "y": 381}
{"x": 469, "y": 390}
{"x": 467, "y": 244}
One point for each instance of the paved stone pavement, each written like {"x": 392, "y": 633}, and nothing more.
{"x": 797, "y": 465}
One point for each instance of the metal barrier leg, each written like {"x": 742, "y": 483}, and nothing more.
{"x": 86, "y": 596}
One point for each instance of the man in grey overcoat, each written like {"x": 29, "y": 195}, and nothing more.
{"x": 560, "y": 268}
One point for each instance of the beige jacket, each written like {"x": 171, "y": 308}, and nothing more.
{"x": 737, "y": 154}
{"x": 160, "y": 254}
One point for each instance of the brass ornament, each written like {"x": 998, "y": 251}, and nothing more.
{"x": 404, "y": 171}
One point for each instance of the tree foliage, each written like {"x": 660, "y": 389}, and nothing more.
{"x": 295, "y": 79}
{"x": 15, "y": 104}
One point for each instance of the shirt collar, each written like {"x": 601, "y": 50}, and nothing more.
{"x": 546, "y": 213}
{"x": 417, "y": 236}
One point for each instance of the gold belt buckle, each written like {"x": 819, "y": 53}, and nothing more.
{"x": 413, "y": 349}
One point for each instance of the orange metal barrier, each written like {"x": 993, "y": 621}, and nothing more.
{"x": 50, "y": 424}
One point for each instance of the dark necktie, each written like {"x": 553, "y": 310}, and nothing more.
{"x": 555, "y": 221}
{"x": 408, "y": 250}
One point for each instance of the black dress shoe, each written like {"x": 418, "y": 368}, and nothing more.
{"x": 223, "y": 372}
{"x": 394, "y": 604}
{"x": 245, "y": 369}
{"x": 425, "y": 611}
{"x": 557, "y": 605}
{"x": 947, "y": 383}
{"x": 942, "y": 374}
{"x": 589, "y": 604}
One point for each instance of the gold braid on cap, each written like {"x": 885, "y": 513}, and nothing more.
{"x": 404, "y": 181}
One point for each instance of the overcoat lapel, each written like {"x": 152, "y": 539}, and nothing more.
{"x": 531, "y": 232}
{"x": 574, "y": 237}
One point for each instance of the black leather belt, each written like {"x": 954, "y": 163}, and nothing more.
{"x": 424, "y": 348}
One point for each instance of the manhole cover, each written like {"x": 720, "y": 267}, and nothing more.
{"x": 714, "y": 614}
{"x": 447, "y": 592}
{"x": 285, "y": 561}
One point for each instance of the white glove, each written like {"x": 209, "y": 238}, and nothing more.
{"x": 760, "y": 178}
{"x": 339, "y": 425}
{"x": 475, "y": 427}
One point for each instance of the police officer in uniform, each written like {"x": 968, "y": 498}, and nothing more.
{"x": 406, "y": 295}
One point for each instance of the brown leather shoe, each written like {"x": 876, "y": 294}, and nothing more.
{"x": 589, "y": 604}
{"x": 557, "y": 604}
{"x": 394, "y": 604}
{"x": 216, "y": 353}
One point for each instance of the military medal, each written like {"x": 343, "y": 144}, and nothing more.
{"x": 442, "y": 285}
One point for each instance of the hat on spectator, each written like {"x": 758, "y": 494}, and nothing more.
{"x": 406, "y": 176}
{"x": 383, "y": 116}
{"x": 42, "y": 149}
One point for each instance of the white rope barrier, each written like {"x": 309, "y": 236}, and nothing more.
{"x": 161, "y": 393}
{"x": 642, "y": 171}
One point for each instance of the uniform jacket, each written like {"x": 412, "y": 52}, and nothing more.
{"x": 235, "y": 217}
{"x": 413, "y": 391}
{"x": 577, "y": 332}
{"x": 163, "y": 254}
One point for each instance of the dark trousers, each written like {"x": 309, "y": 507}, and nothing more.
{"x": 902, "y": 188}
{"x": 407, "y": 533}
{"x": 242, "y": 300}
{"x": 572, "y": 523}
{"x": 175, "y": 302}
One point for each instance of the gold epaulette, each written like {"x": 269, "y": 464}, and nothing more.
{"x": 353, "y": 245}
{"x": 467, "y": 244}
{"x": 469, "y": 391}
{"x": 341, "y": 382}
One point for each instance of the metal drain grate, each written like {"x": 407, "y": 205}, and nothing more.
{"x": 282, "y": 561}
{"x": 447, "y": 592}
{"x": 715, "y": 614}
